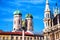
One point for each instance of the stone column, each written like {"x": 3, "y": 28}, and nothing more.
{"x": 44, "y": 37}
{"x": 22, "y": 34}
{"x": 19, "y": 38}
{"x": 36, "y": 38}
{"x": 40, "y": 38}
{"x": 1, "y": 38}
{"x": 55, "y": 36}
{"x": 26, "y": 38}
{"x": 14, "y": 37}
{"x": 32, "y": 38}
{"x": 9, "y": 38}
{"x": 5, "y": 38}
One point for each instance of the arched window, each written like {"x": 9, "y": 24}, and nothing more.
{"x": 31, "y": 38}
{"x": 37, "y": 38}
{"x": 27, "y": 38}
{"x": 46, "y": 24}
{"x": 18, "y": 21}
{"x": 34, "y": 38}
{"x": 20, "y": 38}
{"x": 3, "y": 38}
{"x": 47, "y": 15}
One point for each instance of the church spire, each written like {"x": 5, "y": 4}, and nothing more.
{"x": 46, "y": 1}
{"x": 47, "y": 6}
{"x": 47, "y": 16}
{"x": 56, "y": 11}
{"x": 47, "y": 10}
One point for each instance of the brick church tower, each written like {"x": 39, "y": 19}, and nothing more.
{"x": 17, "y": 21}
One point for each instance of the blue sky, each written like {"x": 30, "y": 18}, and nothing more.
{"x": 35, "y": 7}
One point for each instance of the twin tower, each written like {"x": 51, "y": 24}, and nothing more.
{"x": 18, "y": 23}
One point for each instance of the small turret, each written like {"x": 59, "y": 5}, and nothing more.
{"x": 56, "y": 11}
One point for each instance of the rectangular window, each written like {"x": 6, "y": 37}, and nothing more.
{"x": 37, "y": 38}
{"x": 34, "y": 38}
{"x": 20, "y": 38}
{"x": 27, "y": 38}
{"x": 12, "y": 38}
{"x": 7, "y": 38}
{"x": 31, "y": 38}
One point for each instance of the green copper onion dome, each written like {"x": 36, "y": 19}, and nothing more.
{"x": 29, "y": 16}
{"x": 17, "y": 12}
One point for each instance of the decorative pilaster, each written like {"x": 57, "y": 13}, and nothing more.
{"x": 22, "y": 34}
{"x": 59, "y": 35}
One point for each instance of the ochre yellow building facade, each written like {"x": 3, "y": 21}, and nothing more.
{"x": 18, "y": 36}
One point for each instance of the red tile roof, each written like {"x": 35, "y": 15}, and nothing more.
{"x": 18, "y": 33}
{"x": 14, "y": 33}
